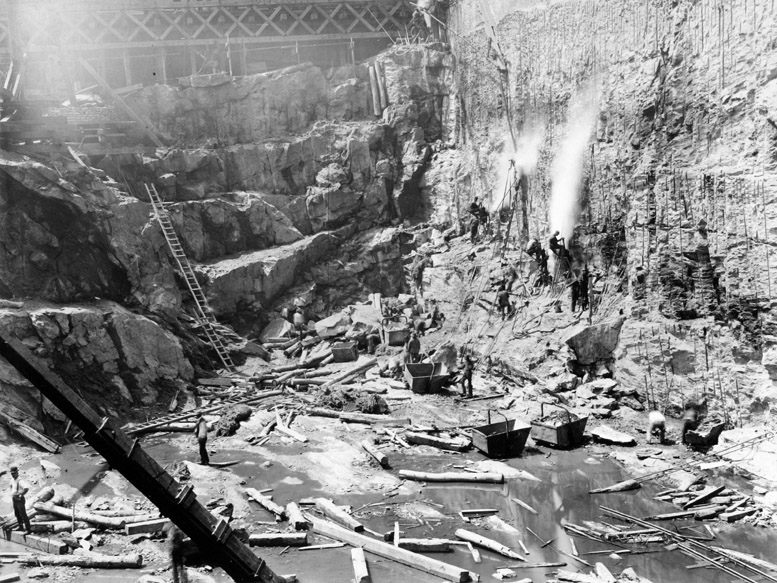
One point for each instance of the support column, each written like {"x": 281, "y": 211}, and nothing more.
{"x": 127, "y": 69}
{"x": 161, "y": 65}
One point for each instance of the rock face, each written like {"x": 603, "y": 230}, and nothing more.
{"x": 117, "y": 360}
{"x": 597, "y": 342}
{"x": 678, "y": 119}
{"x": 54, "y": 235}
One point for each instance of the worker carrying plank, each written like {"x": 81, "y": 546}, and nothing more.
{"x": 18, "y": 490}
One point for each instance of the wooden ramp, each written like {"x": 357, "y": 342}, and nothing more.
{"x": 176, "y": 501}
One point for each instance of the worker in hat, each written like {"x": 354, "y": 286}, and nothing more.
{"x": 18, "y": 490}
{"x": 201, "y": 432}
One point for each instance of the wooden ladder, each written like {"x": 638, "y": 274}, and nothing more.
{"x": 202, "y": 310}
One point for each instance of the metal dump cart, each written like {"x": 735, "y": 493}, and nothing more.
{"x": 557, "y": 432}
{"x": 345, "y": 351}
{"x": 398, "y": 334}
{"x": 503, "y": 439}
{"x": 426, "y": 377}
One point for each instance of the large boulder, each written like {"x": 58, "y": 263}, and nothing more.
{"x": 598, "y": 342}
{"x": 334, "y": 325}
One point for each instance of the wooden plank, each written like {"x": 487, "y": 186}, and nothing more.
{"x": 378, "y": 455}
{"x": 9, "y": 578}
{"x": 91, "y": 560}
{"x": 147, "y": 126}
{"x": 704, "y": 496}
{"x": 157, "y": 525}
{"x": 488, "y": 543}
{"x": 363, "y": 367}
{"x": 28, "y": 432}
{"x": 482, "y": 477}
{"x": 327, "y": 508}
{"x": 387, "y": 551}
{"x": 734, "y": 516}
{"x": 296, "y": 519}
{"x": 39, "y": 543}
{"x": 425, "y": 545}
{"x": 324, "y": 546}
{"x": 438, "y": 442}
{"x": 360, "y": 572}
{"x": 523, "y": 504}
{"x": 278, "y": 539}
{"x": 291, "y": 433}
{"x": 96, "y": 519}
{"x": 266, "y": 503}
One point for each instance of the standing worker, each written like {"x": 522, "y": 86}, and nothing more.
{"x": 299, "y": 322}
{"x": 18, "y": 489}
{"x": 474, "y": 223}
{"x": 503, "y": 302}
{"x": 175, "y": 547}
{"x": 413, "y": 349}
{"x": 201, "y": 432}
{"x": 466, "y": 376}
{"x": 574, "y": 291}
{"x": 585, "y": 291}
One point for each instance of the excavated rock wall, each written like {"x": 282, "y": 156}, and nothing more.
{"x": 678, "y": 172}
{"x": 677, "y": 177}
{"x": 277, "y": 184}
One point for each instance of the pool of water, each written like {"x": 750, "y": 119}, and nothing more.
{"x": 559, "y": 494}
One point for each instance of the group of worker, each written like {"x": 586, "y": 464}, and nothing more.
{"x": 479, "y": 216}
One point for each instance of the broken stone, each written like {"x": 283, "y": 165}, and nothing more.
{"x": 585, "y": 392}
{"x": 611, "y": 436}
{"x": 632, "y": 403}
{"x": 277, "y": 328}
{"x": 37, "y": 573}
{"x": 334, "y": 325}
{"x": 566, "y": 382}
{"x": 595, "y": 343}
{"x": 648, "y": 452}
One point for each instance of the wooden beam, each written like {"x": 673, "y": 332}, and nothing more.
{"x": 46, "y": 544}
{"x": 387, "y": 551}
{"x": 278, "y": 539}
{"x": 327, "y": 508}
{"x": 360, "y": 572}
{"x": 31, "y": 434}
{"x": 157, "y": 525}
{"x": 92, "y": 560}
{"x": 482, "y": 477}
{"x": 146, "y": 125}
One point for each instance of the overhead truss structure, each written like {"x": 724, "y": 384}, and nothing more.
{"x": 83, "y": 25}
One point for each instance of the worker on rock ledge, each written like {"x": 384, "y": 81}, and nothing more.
{"x": 18, "y": 490}
{"x": 557, "y": 245}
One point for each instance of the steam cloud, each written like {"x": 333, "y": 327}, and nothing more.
{"x": 567, "y": 170}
